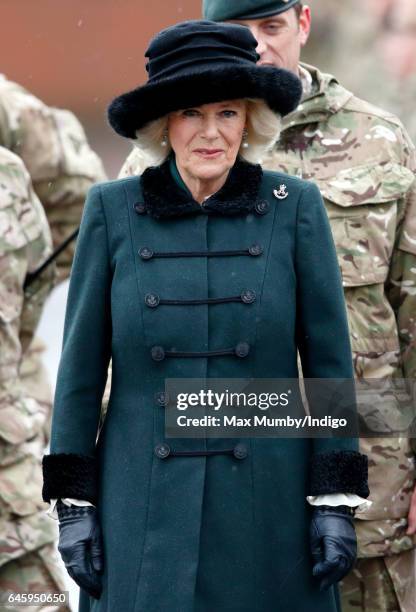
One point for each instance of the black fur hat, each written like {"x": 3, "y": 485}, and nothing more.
{"x": 198, "y": 62}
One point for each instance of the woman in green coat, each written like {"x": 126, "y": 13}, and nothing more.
{"x": 203, "y": 267}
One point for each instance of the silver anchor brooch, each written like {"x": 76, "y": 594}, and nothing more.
{"x": 280, "y": 193}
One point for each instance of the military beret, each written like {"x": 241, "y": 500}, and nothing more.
{"x": 221, "y": 10}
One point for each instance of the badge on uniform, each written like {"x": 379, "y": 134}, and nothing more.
{"x": 280, "y": 193}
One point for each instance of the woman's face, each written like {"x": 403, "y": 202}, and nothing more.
{"x": 206, "y": 139}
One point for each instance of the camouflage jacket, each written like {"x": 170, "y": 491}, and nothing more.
{"x": 25, "y": 242}
{"x": 364, "y": 164}
{"x": 53, "y": 146}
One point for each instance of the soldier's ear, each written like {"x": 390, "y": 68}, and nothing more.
{"x": 305, "y": 19}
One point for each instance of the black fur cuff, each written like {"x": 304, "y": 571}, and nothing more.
{"x": 339, "y": 472}
{"x": 69, "y": 475}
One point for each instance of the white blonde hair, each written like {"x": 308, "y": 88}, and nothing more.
{"x": 263, "y": 129}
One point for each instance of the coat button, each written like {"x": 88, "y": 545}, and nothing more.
{"x": 255, "y": 250}
{"x": 248, "y": 296}
{"x": 262, "y": 207}
{"x": 140, "y": 208}
{"x": 146, "y": 253}
{"x": 162, "y": 451}
{"x": 152, "y": 300}
{"x": 162, "y": 398}
{"x": 240, "y": 451}
{"x": 242, "y": 349}
{"x": 157, "y": 353}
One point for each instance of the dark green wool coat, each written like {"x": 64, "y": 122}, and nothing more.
{"x": 205, "y": 532}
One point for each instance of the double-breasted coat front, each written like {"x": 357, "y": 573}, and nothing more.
{"x": 199, "y": 525}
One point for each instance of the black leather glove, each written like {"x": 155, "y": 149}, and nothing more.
{"x": 333, "y": 543}
{"x": 80, "y": 546}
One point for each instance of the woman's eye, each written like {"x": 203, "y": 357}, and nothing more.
{"x": 229, "y": 113}
{"x": 190, "y": 112}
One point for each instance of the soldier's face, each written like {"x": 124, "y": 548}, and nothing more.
{"x": 280, "y": 37}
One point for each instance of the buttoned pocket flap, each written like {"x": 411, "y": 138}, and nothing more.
{"x": 362, "y": 207}
{"x": 368, "y": 184}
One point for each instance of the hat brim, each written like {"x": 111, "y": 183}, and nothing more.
{"x": 280, "y": 89}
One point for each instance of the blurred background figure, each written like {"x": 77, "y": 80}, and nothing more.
{"x": 28, "y": 561}
{"x": 53, "y": 145}
{"x": 398, "y": 39}
{"x": 370, "y": 46}
{"x": 397, "y": 49}
{"x": 379, "y": 8}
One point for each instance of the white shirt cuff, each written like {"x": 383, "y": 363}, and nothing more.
{"x": 340, "y": 499}
{"x": 52, "y": 512}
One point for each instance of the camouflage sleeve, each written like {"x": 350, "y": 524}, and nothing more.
{"x": 54, "y": 148}
{"x": 401, "y": 282}
{"x": 24, "y": 243}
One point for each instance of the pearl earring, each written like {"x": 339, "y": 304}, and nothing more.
{"x": 164, "y": 142}
{"x": 245, "y": 144}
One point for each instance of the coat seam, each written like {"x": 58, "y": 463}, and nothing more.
{"x": 259, "y": 305}
{"x": 300, "y": 198}
{"x": 106, "y": 227}
{"x": 110, "y": 268}
{"x": 253, "y": 512}
{"x": 139, "y": 570}
{"x": 200, "y": 527}
{"x": 136, "y": 272}
{"x": 146, "y": 523}
{"x": 295, "y": 264}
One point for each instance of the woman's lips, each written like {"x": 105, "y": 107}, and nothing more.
{"x": 208, "y": 153}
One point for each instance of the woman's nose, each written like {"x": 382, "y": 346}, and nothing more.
{"x": 210, "y": 127}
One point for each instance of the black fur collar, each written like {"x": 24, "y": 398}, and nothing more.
{"x": 163, "y": 198}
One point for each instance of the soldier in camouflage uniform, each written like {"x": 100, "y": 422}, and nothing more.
{"x": 27, "y": 557}
{"x": 364, "y": 164}
{"x": 53, "y": 146}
